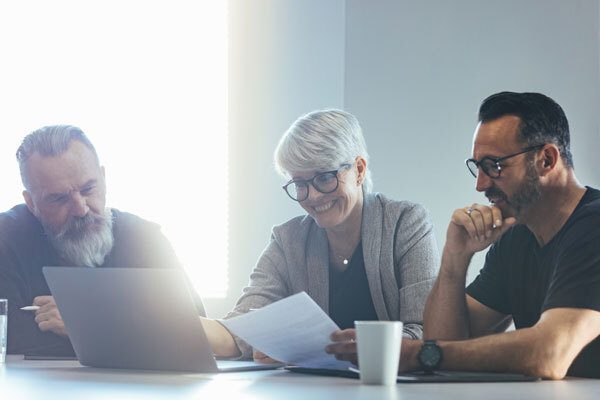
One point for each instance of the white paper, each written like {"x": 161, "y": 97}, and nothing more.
{"x": 294, "y": 330}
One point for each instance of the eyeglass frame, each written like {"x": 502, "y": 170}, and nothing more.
{"x": 497, "y": 160}
{"x": 311, "y": 181}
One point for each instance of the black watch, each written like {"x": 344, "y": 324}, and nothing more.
{"x": 430, "y": 356}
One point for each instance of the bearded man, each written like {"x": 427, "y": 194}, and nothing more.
{"x": 65, "y": 222}
{"x": 542, "y": 269}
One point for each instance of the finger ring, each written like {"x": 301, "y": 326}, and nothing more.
{"x": 469, "y": 210}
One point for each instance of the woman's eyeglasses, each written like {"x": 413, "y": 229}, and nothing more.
{"x": 323, "y": 182}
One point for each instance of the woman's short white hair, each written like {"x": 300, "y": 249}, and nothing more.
{"x": 322, "y": 140}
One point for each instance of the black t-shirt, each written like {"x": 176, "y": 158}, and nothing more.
{"x": 523, "y": 280}
{"x": 349, "y": 295}
{"x": 25, "y": 249}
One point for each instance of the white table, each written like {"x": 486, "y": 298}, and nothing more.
{"x": 48, "y": 380}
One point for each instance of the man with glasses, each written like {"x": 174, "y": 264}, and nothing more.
{"x": 542, "y": 271}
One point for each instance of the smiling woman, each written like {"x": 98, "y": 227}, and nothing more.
{"x": 358, "y": 254}
{"x": 147, "y": 81}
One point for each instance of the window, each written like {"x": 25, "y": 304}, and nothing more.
{"x": 147, "y": 81}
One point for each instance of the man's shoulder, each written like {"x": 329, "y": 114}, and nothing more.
{"x": 128, "y": 226}
{"x": 17, "y": 219}
{"x": 127, "y": 220}
{"x": 590, "y": 202}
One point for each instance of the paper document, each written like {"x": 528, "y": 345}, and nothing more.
{"x": 294, "y": 330}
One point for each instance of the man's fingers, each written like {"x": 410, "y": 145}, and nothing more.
{"x": 43, "y": 300}
{"x": 462, "y": 217}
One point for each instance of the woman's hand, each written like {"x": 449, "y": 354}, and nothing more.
{"x": 344, "y": 345}
{"x": 262, "y": 358}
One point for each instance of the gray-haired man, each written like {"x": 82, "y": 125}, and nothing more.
{"x": 65, "y": 222}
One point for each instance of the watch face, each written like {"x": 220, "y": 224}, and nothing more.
{"x": 430, "y": 355}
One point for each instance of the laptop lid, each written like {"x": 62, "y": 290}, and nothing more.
{"x": 135, "y": 318}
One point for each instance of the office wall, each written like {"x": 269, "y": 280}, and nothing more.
{"x": 286, "y": 58}
{"x": 414, "y": 72}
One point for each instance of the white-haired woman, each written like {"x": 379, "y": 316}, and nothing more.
{"x": 358, "y": 254}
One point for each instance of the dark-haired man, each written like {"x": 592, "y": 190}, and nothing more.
{"x": 543, "y": 268}
{"x": 64, "y": 222}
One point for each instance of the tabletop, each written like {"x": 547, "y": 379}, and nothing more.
{"x": 26, "y": 380}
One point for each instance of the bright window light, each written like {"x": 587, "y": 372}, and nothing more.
{"x": 147, "y": 81}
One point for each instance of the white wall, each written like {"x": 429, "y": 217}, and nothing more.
{"x": 414, "y": 72}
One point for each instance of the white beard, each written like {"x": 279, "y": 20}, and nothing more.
{"x": 84, "y": 241}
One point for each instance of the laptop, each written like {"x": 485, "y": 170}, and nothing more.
{"x": 135, "y": 318}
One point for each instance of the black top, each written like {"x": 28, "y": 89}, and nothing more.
{"x": 25, "y": 249}
{"x": 349, "y": 295}
{"x": 522, "y": 279}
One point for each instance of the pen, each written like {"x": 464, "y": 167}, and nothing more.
{"x": 30, "y": 308}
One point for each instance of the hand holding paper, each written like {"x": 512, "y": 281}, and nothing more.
{"x": 294, "y": 330}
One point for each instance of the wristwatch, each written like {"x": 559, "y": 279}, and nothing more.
{"x": 430, "y": 356}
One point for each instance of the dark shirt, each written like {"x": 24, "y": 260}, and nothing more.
{"x": 25, "y": 249}
{"x": 523, "y": 280}
{"x": 349, "y": 295}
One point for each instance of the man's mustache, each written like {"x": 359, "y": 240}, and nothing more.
{"x": 79, "y": 226}
{"x": 495, "y": 194}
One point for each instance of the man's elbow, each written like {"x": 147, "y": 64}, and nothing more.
{"x": 548, "y": 370}
{"x": 550, "y": 360}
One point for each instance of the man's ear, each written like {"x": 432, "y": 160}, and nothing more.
{"x": 29, "y": 202}
{"x": 550, "y": 157}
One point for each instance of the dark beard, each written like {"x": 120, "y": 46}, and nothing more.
{"x": 527, "y": 194}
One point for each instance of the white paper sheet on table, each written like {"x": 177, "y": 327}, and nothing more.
{"x": 294, "y": 330}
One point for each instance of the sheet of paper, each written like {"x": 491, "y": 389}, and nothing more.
{"x": 294, "y": 330}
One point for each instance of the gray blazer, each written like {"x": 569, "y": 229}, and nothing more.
{"x": 400, "y": 254}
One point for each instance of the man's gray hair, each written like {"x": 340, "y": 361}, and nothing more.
{"x": 49, "y": 141}
{"x": 322, "y": 140}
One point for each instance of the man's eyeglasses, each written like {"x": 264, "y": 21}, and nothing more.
{"x": 492, "y": 167}
{"x": 324, "y": 182}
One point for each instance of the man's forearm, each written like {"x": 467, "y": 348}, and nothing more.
{"x": 446, "y": 316}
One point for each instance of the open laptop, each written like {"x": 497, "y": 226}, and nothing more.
{"x": 135, "y": 318}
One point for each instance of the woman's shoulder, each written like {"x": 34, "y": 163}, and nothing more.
{"x": 297, "y": 226}
{"x": 392, "y": 208}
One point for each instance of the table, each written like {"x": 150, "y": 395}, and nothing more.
{"x": 48, "y": 380}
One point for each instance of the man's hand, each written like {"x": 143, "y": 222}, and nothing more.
{"x": 47, "y": 317}
{"x": 474, "y": 228}
{"x": 262, "y": 358}
{"x": 344, "y": 345}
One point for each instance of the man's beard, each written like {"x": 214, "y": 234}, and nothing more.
{"x": 84, "y": 241}
{"x": 526, "y": 195}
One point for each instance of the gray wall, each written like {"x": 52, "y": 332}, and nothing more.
{"x": 414, "y": 73}
{"x": 286, "y": 58}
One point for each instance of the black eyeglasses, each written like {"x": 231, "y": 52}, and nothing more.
{"x": 491, "y": 166}
{"x": 323, "y": 182}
